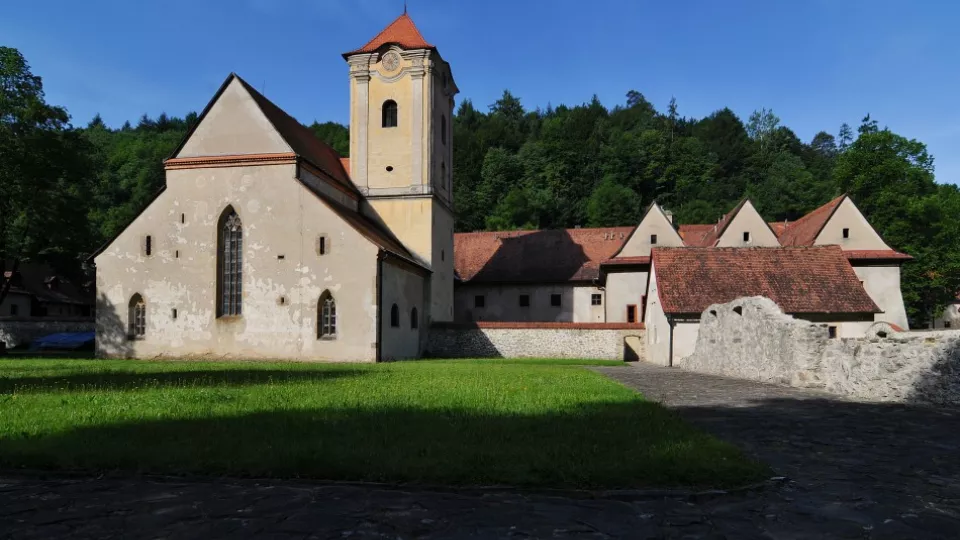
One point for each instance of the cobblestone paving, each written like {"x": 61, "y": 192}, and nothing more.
{"x": 855, "y": 471}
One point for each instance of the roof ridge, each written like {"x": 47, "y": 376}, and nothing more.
{"x": 417, "y": 41}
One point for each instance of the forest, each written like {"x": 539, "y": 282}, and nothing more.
{"x": 65, "y": 189}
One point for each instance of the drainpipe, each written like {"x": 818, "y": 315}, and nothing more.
{"x": 670, "y": 323}
{"x": 380, "y": 256}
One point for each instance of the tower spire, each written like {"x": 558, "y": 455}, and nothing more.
{"x": 404, "y": 7}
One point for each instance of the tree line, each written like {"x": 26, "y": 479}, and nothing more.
{"x": 64, "y": 190}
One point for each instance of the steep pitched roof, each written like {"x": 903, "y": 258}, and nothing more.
{"x": 546, "y": 256}
{"x": 402, "y": 32}
{"x": 709, "y": 236}
{"x": 799, "y": 279}
{"x": 804, "y": 231}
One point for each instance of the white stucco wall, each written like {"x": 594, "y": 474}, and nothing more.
{"x": 280, "y": 216}
{"x": 405, "y": 289}
{"x": 748, "y": 220}
{"x": 623, "y": 289}
{"x": 949, "y": 319}
{"x": 861, "y": 234}
{"x": 502, "y": 303}
{"x": 654, "y": 222}
{"x": 882, "y": 283}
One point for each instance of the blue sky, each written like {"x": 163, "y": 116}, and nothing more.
{"x": 816, "y": 63}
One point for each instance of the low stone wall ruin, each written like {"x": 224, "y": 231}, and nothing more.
{"x": 611, "y": 341}
{"x": 19, "y": 332}
{"x": 762, "y": 343}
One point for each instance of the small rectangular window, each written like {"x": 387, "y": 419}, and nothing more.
{"x": 596, "y": 299}
{"x": 632, "y": 313}
{"x": 479, "y": 301}
{"x": 746, "y": 236}
{"x": 846, "y": 233}
{"x": 148, "y": 245}
{"x": 946, "y": 324}
{"x": 832, "y": 332}
{"x": 653, "y": 239}
{"x": 555, "y": 300}
{"x": 524, "y": 300}
{"x": 14, "y": 309}
{"x": 322, "y": 245}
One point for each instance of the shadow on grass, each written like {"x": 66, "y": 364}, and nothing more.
{"x": 124, "y": 380}
{"x": 622, "y": 444}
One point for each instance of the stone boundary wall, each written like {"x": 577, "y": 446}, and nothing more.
{"x": 17, "y": 332}
{"x": 762, "y": 343}
{"x": 610, "y": 341}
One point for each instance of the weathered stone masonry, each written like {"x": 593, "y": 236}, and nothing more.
{"x": 612, "y": 341}
{"x": 759, "y": 342}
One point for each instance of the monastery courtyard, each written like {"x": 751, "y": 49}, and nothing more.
{"x": 840, "y": 469}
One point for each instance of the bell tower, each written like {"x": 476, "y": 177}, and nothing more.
{"x": 401, "y": 147}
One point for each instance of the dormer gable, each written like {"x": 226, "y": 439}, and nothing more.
{"x": 654, "y": 230}
{"x": 848, "y": 228}
{"x": 744, "y": 227}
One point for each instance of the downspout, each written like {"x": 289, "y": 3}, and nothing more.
{"x": 380, "y": 256}
{"x": 670, "y": 323}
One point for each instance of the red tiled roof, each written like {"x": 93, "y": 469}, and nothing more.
{"x": 302, "y": 140}
{"x": 402, "y": 32}
{"x": 804, "y": 231}
{"x": 547, "y": 256}
{"x": 345, "y": 163}
{"x": 691, "y": 234}
{"x": 888, "y": 254}
{"x": 707, "y": 235}
{"x": 799, "y": 279}
{"x": 626, "y": 261}
{"x": 777, "y": 227}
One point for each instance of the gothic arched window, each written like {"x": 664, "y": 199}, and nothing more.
{"x": 326, "y": 316}
{"x": 389, "y": 113}
{"x": 137, "y": 317}
{"x": 230, "y": 264}
{"x": 395, "y": 316}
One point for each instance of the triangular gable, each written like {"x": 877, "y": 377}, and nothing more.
{"x": 860, "y": 234}
{"x": 654, "y": 222}
{"x": 232, "y": 124}
{"x": 746, "y": 219}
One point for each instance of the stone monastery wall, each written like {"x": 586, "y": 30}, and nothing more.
{"x": 611, "y": 341}
{"x": 750, "y": 338}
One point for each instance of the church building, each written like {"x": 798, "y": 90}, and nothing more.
{"x": 264, "y": 243}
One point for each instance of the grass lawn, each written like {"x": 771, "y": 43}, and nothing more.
{"x": 545, "y": 423}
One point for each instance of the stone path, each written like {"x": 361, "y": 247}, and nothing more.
{"x": 856, "y": 471}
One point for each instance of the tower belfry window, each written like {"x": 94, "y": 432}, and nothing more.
{"x": 389, "y": 113}
{"x": 443, "y": 129}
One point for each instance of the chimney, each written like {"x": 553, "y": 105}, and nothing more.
{"x": 669, "y": 215}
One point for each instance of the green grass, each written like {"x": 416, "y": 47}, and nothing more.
{"x": 543, "y": 423}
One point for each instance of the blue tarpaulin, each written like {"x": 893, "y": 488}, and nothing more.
{"x": 64, "y": 341}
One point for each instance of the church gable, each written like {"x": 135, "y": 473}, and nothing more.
{"x": 233, "y": 124}
{"x": 654, "y": 230}
{"x": 747, "y": 229}
{"x": 848, "y": 228}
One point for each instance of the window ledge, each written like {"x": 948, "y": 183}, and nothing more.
{"x": 327, "y": 338}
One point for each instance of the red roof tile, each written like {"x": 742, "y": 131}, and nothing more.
{"x": 799, "y": 279}
{"x": 885, "y": 254}
{"x": 626, "y": 261}
{"x": 402, "y": 32}
{"x": 707, "y": 235}
{"x": 547, "y": 256}
{"x": 804, "y": 231}
{"x": 345, "y": 163}
{"x": 692, "y": 234}
{"x": 778, "y": 227}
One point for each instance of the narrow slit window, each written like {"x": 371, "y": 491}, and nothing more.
{"x": 322, "y": 245}
{"x": 148, "y": 245}
{"x": 395, "y": 316}
{"x": 414, "y": 319}
{"x": 443, "y": 129}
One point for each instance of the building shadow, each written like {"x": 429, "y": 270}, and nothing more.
{"x": 113, "y": 337}
{"x": 547, "y": 256}
{"x": 128, "y": 381}
{"x": 604, "y": 444}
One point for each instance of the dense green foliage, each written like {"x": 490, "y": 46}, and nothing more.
{"x": 514, "y": 168}
{"x": 533, "y": 423}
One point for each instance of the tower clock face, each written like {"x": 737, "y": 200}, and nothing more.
{"x": 391, "y": 61}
